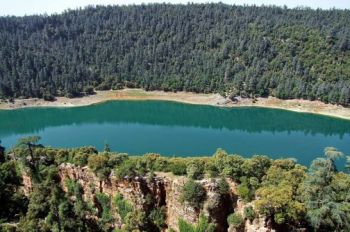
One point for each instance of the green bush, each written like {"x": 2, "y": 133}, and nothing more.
{"x": 249, "y": 213}
{"x": 177, "y": 167}
{"x": 195, "y": 170}
{"x": 157, "y": 217}
{"x": 256, "y": 166}
{"x": 8, "y": 228}
{"x": 62, "y": 156}
{"x": 127, "y": 168}
{"x": 70, "y": 185}
{"x": 220, "y": 159}
{"x": 211, "y": 170}
{"x": 80, "y": 159}
{"x": 185, "y": 226}
{"x": 105, "y": 215}
{"x": 223, "y": 187}
{"x": 203, "y": 225}
{"x": 116, "y": 159}
{"x": 228, "y": 165}
{"x": 246, "y": 190}
{"x": 135, "y": 221}
{"x": 99, "y": 165}
{"x": 123, "y": 207}
{"x": 154, "y": 162}
{"x": 235, "y": 220}
{"x": 193, "y": 193}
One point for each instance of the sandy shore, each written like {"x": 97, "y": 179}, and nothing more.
{"x": 296, "y": 105}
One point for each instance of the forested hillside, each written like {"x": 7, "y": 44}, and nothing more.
{"x": 248, "y": 51}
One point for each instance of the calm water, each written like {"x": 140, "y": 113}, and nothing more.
{"x": 138, "y": 127}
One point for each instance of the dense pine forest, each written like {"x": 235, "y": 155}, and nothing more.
{"x": 38, "y": 193}
{"x": 233, "y": 50}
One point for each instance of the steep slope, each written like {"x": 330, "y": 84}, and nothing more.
{"x": 248, "y": 51}
{"x": 164, "y": 189}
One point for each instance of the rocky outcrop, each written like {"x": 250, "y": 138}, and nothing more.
{"x": 258, "y": 225}
{"x": 164, "y": 189}
{"x": 27, "y": 184}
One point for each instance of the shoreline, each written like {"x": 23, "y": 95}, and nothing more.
{"x": 296, "y": 105}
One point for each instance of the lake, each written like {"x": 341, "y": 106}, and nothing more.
{"x": 175, "y": 129}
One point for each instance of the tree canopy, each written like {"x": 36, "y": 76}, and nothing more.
{"x": 288, "y": 195}
{"x": 243, "y": 51}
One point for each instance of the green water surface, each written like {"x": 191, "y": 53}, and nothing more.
{"x": 175, "y": 129}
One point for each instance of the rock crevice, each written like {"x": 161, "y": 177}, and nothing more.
{"x": 163, "y": 189}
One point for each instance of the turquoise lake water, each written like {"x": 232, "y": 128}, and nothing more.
{"x": 175, "y": 129}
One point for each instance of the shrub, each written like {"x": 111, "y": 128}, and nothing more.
{"x": 223, "y": 187}
{"x": 185, "y": 226}
{"x": 62, "y": 156}
{"x": 211, "y": 170}
{"x": 123, "y": 207}
{"x": 99, "y": 165}
{"x": 79, "y": 156}
{"x": 70, "y": 185}
{"x": 8, "y": 227}
{"x": 135, "y": 221}
{"x": 150, "y": 177}
{"x": 88, "y": 90}
{"x": 116, "y": 159}
{"x": 193, "y": 193}
{"x": 154, "y": 162}
{"x": 235, "y": 220}
{"x": 149, "y": 199}
{"x": 157, "y": 217}
{"x": 256, "y": 166}
{"x": 127, "y": 168}
{"x": 202, "y": 226}
{"x": 89, "y": 150}
{"x": 160, "y": 164}
{"x": 48, "y": 97}
{"x": 141, "y": 166}
{"x": 80, "y": 159}
{"x": 249, "y": 213}
{"x": 177, "y": 167}
{"x": 105, "y": 215}
{"x": 246, "y": 190}
{"x": 232, "y": 167}
{"x": 195, "y": 170}
{"x": 220, "y": 158}
{"x": 243, "y": 192}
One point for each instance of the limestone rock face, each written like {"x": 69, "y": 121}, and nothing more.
{"x": 27, "y": 184}
{"x": 164, "y": 189}
{"x": 175, "y": 208}
{"x": 134, "y": 190}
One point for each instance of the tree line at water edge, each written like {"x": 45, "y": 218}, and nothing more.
{"x": 287, "y": 194}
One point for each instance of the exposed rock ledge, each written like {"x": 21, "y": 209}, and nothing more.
{"x": 165, "y": 190}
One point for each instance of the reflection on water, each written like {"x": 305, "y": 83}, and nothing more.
{"x": 178, "y": 129}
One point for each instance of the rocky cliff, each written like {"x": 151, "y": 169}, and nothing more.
{"x": 164, "y": 189}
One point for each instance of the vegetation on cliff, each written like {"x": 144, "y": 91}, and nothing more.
{"x": 247, "y": 51}
{"x": 287, "y": 194}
